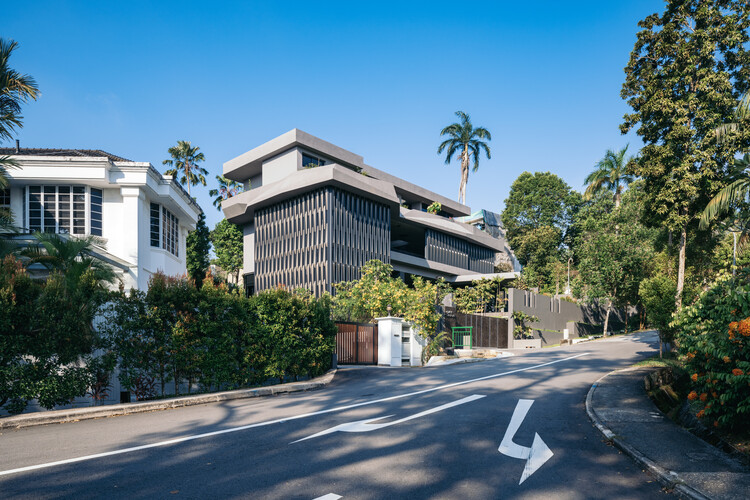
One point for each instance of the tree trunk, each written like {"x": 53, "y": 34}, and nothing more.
{"x": 606, "y": 318}
{"x": 681, "y": 269}
{"x": 464, "y": 175}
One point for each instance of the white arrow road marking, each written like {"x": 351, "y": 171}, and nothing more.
{"x": 535, "y": 456}
{"x": 330, "y": 496}
{"x": 367, "y": 426}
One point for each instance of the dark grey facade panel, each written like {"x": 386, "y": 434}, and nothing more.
{"x": 447, "y": 249}
{"x": 319, "y": 238}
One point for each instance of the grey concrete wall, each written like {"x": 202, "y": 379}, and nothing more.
{"x": 555, "y": 314}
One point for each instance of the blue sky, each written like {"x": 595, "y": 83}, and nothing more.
{"x": 377, "y": 78}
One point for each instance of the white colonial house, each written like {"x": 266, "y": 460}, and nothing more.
{"x": 141, "y": 216}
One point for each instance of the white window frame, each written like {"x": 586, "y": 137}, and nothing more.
{"x": 87, "y": 207}
{"x": 165, "y": 213}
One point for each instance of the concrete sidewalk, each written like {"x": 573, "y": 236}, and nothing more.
{"x": 620, "y": 408}
{"x": 73, "y": 415}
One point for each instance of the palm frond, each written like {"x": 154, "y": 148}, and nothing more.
{"x": 724, "y": 200}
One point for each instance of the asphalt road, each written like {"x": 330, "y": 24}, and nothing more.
{"x": 435, "y": 434}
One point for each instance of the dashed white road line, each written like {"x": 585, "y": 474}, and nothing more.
{"x": 277, "y": 421}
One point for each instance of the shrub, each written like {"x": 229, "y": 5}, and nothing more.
{"x": 216, "y": 337}
{"x": 522, "y": 330}
{"x": 657, "y": 296}
{"x": 713, "y": 336}
{"x": 47, "y": 336}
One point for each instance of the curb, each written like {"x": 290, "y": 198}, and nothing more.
{"x": 76, "y": 414}
{"x": 668, "y": 478}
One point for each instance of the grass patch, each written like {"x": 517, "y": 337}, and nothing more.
{"x": 669, "y": 360}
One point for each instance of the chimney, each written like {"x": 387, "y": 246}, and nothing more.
{"x": 18, "y": 146}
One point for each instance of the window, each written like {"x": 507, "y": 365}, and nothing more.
{"x": 63, "y": 209}
{"x": 310, "y": 161}
{"x": 5, "y": 198}
{"x": 155, "y": 240}
{"x": 165, "y": 230}
{"x": 96, "y": 212}
{"x": 5, "y": 203}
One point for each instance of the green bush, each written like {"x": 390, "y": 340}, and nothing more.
{"x": 46, "y": 335}
{"x": 713, "y": 335}
{"x": 657, "y": 296}
{"x": 216, "y": 338}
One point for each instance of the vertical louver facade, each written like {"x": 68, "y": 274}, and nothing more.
{"x": 319, "y": 238}
{"x": 452, "y": 251}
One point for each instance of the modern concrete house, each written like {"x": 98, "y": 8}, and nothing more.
{"x": 313, "y": 213}
{"x": 141, "y": 217}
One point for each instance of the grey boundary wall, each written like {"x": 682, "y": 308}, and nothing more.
{"x": 556, "y": 314}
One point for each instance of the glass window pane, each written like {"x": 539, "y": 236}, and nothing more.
{"x": 155, "y": 225}
{"x": 96, "y": 212}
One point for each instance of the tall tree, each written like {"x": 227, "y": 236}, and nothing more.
{"x": 537, "y": 218}
{"x": 686, "y": 72}
{"x": 227, "y": 240}
{"x": 185, "y": 160}
{"x": 464, "y": 141}
{"x": 613, "y": 249}
{"x": 227, "y": 189}
{"x": 610, "y": 174}
{"x": 15, "y": 90}
{"x": 198, "y": 245}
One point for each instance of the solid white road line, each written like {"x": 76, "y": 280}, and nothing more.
{"x": 277, "y": 421}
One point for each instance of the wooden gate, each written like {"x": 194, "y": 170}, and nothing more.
{"x": 357, "y": 344}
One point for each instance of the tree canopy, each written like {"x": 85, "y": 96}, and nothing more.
{"x": 185, "y": 162}
{"x": 537, "y": 218}
{"x": 610, "y": 174}
{"x": 15, "y": 90}
{"x": 464, "y": 141}
{"x": 687, "y": 70}
{"x": 198, "y": 245}
{"x": 227, "y": 241}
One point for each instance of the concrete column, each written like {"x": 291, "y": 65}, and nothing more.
{"x": 136, "y": 229}
{"x": 389, "y": 340}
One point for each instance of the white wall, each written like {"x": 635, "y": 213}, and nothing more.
{"x": 16, "y": 205}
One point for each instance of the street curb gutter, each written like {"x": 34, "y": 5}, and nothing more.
{"x": 74, "y": 415}
{"x": 668, "y": 478}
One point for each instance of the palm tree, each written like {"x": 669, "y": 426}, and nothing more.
{"x": 741, "y": 113}
{"x": 464, "y": 140}
{"x": 185, "y": 159}
{"x": 227, "y": 189}
{"x": 71, "y": 256}
{"x": 15, "y": 89}
{"x": 733, "y": 197}
{"x": 610, "y": 174}
{"x": 737, "y": 191}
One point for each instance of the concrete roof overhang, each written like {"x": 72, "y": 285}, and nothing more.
{"x": 241, "y": 208}
{"x": 459, "y": 229}
{"x": 250, "y": 164}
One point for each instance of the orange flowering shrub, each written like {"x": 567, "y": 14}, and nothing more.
{"x": 713, "y": 335}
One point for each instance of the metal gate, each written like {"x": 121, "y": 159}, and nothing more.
{"x": 357, "y": 344}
